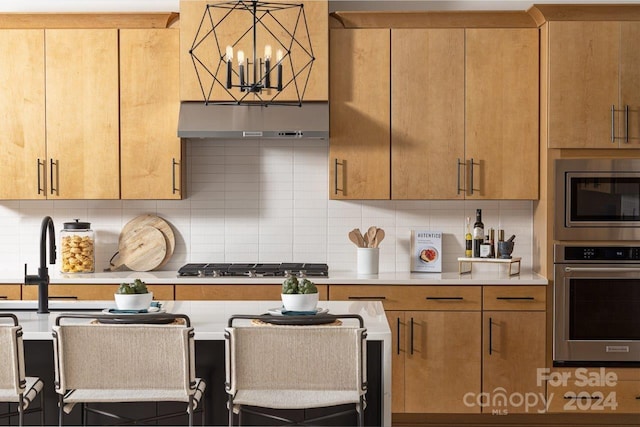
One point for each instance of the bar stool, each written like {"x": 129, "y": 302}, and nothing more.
{"x": 115, "y": 359}
{"x": 295, "y": 367}
{"x": 14, "y": 386}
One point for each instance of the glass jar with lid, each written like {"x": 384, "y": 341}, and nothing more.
{"x": 77, "y": 248}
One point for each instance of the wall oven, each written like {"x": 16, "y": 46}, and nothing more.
{"x": 597, "y": 199}
{"x": 596, "y": 305}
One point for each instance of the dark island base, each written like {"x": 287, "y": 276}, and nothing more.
{"x": 209, "y": 366}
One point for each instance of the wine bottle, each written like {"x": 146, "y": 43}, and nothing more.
{"x": 478, "y": 233}
{"x": 468, "y": 240}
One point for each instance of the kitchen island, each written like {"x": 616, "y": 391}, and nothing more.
{"x": 209, "y": 319}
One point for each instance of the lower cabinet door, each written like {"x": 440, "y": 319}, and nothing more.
{"x": 442, "y": 361}
{"x": 514, "y": 350}
{"x": 397, "y": 325}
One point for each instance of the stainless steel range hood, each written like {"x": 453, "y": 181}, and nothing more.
{"x": 198, "y": 120}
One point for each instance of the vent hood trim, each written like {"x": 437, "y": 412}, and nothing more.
{"x": 214, "y": 121}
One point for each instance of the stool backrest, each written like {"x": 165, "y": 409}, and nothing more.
{"x": 12, "y": 374}
{"x": 130, "y": 356}
{"x": 295, "y": 358}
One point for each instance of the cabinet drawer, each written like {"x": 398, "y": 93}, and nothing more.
{"x": 92, "y": 292}
{"x": 9, "y": 292}
{"x": 236, "y": 292}
{"x": 412, "y": 297}
{"x": 623, "y": 397}
{"x": 514, "y": 298}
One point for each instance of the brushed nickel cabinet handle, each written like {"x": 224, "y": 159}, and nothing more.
{"x": 336, "y": 163}
{"x": 40, "y": 187}
{"x": 173, "y": 175}
{"x": 613, "y": 123}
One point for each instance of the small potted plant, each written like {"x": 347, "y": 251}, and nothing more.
{"x": 133, "y": 296}
{"x": 299, "y": 295}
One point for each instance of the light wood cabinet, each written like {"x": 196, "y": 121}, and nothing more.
{"x": 463, "y": 113}
{"x": 151, "y": 163}
{"x": 257, "y": 292}
{"x": 501, "y": 113}
{"x": 427, "y": 113}
{"x": 359, "y": 150}
{"x": 514, "y": 322}
{"x": 593, "y": 84}
{"x": 234, "y": 29}
{"x": 82, "y": 120}
{"x": 22, "y": 132}
{"x": 91, "y": 292}
{"x": 10, "y": 292}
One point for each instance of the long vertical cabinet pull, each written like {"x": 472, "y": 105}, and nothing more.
{"x": 460, "y": 164}
{"x": 411, "y": 336}
{"x": 40, "y": 187}
{"x": 613, "y": 123}
{"x": 398, "y": 335}
{"x": 626, "y": 124}
{"x": 336, "y": 163}
{"x": 51, "y": 176}
{"x": 472, "y": 164}
{"x": 490, "y": 334}
{"x": 173, "y": 175}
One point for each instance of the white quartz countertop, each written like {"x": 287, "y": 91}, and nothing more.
{"x": 498, "y": 276}
{"x": 208, "y": 318}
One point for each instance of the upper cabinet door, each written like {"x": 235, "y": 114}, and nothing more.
{"x": 236, "y": 27}
{"x": 151, "y": 160}
{"x": 583, "y": 83}
{"x": 501, "y": 130}
{"x": 427, "y": 113}
{"x": 629, "y": 124}
{"x": 22, "y": 137}
{"x": 82, "y": 113}
{"x": 359, "y": 153}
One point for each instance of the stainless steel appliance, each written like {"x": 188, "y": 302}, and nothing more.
{"x": 253, "y": 270}
{"x": 597, "y": 199}
{"x": 596, "y": 305}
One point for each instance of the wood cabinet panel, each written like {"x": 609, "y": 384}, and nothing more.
{"x": 151, "y": 156}
{"x": 514, "y": 297}
{"x": 427, "y": 113}
{"x": 398, "y": 326}
{"x": 443, "y": 361}
{"x": 258, "y": 292}
{"x": 629, "y": 125}
{"x": 622, "y": 398}
{"x": 22, "y": 109}
{"x": 501, "y": 113}
{"x": 359, "y": 152}
{"x": 400, "y": 297}
{"x": 10, "y": 292}
{"x": 583, "y": 83}
{"x": 92, "y": 292}
{"x": 82, "y": 123}
{"x": 513, "y": 351}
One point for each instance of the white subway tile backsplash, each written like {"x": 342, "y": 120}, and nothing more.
{"x": 266, "y": 201}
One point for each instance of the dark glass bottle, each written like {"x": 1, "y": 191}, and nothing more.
{"x": 478, "y": 233}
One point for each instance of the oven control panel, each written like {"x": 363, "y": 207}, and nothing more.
{"x": 599, "y": 253}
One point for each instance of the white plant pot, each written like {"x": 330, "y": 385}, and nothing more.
{"x": 300, "y": 302}
{"x": 133, "y": 301}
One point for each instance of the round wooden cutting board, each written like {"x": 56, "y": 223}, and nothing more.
{"x": 158, "y": 223}
{"x": 142, "y": 249}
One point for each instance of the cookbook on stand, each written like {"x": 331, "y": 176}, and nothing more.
{"x": 426, "y": 251}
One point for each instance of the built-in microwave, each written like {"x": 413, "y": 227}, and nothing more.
{"x": 597, "y": 199}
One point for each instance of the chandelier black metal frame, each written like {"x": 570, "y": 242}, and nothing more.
{"x": 254, "y": 75}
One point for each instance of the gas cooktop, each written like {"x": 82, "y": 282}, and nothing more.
{"x": 253, "y": 270}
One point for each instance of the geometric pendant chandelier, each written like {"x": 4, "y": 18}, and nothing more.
{"x": 251, "y": 52}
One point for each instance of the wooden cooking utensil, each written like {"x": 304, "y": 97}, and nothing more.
{"x": 360, "y": 237}
{"x": 371, "y": 235}
{"x": 157, "y": 222}
{"x": 354, "y": 238}
{"x": 379, "y": 237}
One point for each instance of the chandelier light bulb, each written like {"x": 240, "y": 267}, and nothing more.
{"x": 267, "y": 52}
{"x": 229, "y": 53}
{"x": 279, "y": 55}
{"x": 240, "y": 57}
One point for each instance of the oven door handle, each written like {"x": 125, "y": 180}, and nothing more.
{"x": 602, "y": 269}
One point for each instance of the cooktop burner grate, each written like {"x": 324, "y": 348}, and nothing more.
{"x": 253, "y": 270}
